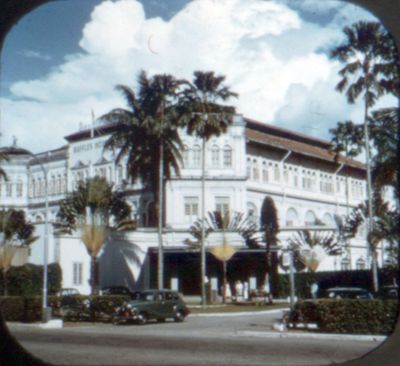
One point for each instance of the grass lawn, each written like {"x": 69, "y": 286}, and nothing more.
{"x": 234, "y": 308}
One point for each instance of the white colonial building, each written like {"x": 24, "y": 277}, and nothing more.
{"x": 251, "y": 161}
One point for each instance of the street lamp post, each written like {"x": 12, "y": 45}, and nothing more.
{"x": 45, "y": 312}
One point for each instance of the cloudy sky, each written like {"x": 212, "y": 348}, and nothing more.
{"x": 64, "y": 59}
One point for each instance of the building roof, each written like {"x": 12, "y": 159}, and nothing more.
{"x": 51, "y": 155}
{"x": 14, "y": 150}
{"x": 283, "y": 139}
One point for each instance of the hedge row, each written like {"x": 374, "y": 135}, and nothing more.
{"x": 29, "y": 309}
{"x": 327, "y": 279}
{"x": 349, "y": 316}
{"x": 27, "y": 280}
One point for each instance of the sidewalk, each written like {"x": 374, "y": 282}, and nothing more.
{"x": 311, "y": 335}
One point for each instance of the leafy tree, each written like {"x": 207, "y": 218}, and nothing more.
{"x": 15, "y": 232}
{"x": 270, "y": 227}
{"x": 385, "y": 137}
{"x": 205, "y": 116}
{"x": 89, "y": 210}
{"x": 386, "y": 224}
{"x": 368, "y": 72}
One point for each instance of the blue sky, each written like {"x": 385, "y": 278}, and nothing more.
{"x": 63, "y": 60}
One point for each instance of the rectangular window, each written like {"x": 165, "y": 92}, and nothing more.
{"x": 222, "y": 204}
{"x": 9, "y": 189}
{"x": 276, "y": 173}
{"x": 196, "y": 157}
{"x": 77, "y": 273}
{"x": 227, "y": 158}
{"x": 265, "y": 175}
{"x": 191, "y": 207}
{"x": 19, "y": 189}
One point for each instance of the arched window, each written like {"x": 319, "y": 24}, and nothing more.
{"x": 19, "y": 188}
{"x": 185, "y": 156}
{"x": 227, "y": 156}
{"x": 292, "y": 218}
{"x": 276, "y": 173}
{"x": 196, "y": 156}
{"x": 265, "y": 176}
{"x": 328, "y": 220}
{"x": 345, "y": 264}
{"x": 310, "y": 218}
{"x": 9, "y": 188}
{"x": 256, "y": 171}
{"x": 51, "y": 185}
{"x": 215, "y": 156}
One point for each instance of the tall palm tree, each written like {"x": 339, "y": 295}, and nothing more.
{"x": 206, "y": 117}
{"x": 15, "y": 232}
{"x": 89, "y": 210}
{"x": 147, "y": 133}
{"x": 363, "y": 75}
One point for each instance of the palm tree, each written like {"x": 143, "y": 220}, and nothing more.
{"x": 385, "y": 137}
{"x": 147, "y": 133}
{"x": 312, "y": 246}
{"x": 363, "y": 75}
{"x": 89, "y": 210}
{"x": 223, "y": 223}
{"x": 14, "y": 232}
{"x": 270, "y": 227}
{"x": 206, "y": 117}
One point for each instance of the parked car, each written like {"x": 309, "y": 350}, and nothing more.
{"x": 388, "y": 292}
{"x": 68, "y": 292}
{"x": 152, "y": 305}
{"x": 347, "y": 293}
{"x": 116, "y": 290}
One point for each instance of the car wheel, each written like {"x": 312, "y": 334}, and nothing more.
{"x": 142, "y": 319}
{"x": 115, "y": 320}
{"x": 179, "y": 316}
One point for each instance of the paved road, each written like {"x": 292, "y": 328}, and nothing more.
{"x": 198, "y": 341}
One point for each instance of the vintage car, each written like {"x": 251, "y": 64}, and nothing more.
{"x": 348, "y": 293}
{"x": 152, "y": 305}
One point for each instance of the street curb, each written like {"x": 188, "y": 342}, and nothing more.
{"x": 348, "y": 337}
{"x": 195, "y": 315}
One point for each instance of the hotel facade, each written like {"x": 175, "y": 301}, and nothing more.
{"x": 251, "y": 161}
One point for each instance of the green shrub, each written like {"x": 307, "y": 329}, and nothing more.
{"x": 327, "y": 279}
{"x": 27, "y": 280}
{"x": 350, "y": 316}
{"x": 29, "y": 309}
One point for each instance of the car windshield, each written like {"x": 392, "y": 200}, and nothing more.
{"x": 145, "y": 296}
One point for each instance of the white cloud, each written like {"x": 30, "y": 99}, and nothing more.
{"x": 35, "y": 54}
{"x": 269, "y": 55}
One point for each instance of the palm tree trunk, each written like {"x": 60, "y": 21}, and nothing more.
{"x": 160, "y": 278}
{"x": 369, "y": 198}
{"x": 5, "y": 291}
{"x": 203, "y": 214}
{"x": 92, "y": 275}
{"x": 224, "y": 282}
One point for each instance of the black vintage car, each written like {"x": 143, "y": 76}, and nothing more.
{"x": 152, "y": 305}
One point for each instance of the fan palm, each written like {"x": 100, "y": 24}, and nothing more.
{"x": 223, "y": 223}
{"x": 363, "y": 75}
{"x": 147, "y": 134}
{"x": 89, "y": 210}
{"x": 205, "y": 117}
